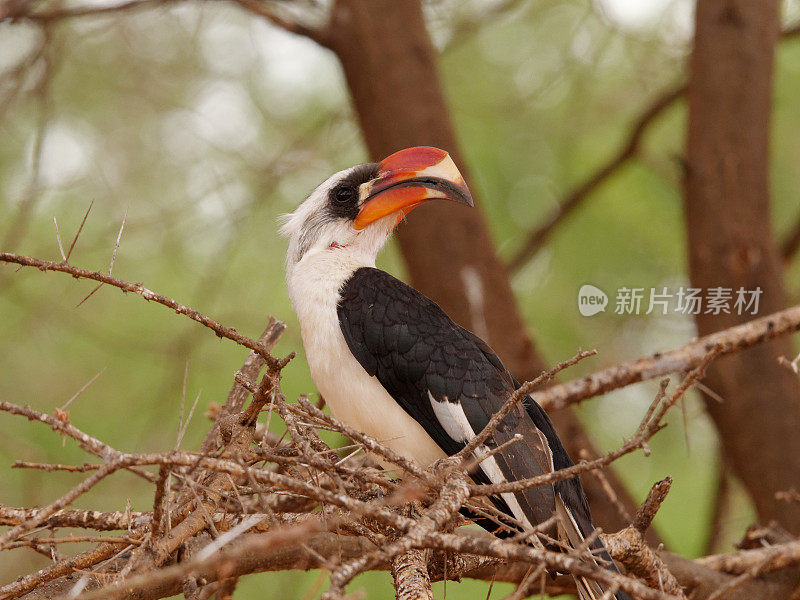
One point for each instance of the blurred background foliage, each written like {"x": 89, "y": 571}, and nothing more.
{"x": 198, "y": 124}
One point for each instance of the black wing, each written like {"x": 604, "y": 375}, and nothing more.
{"x": 424, "y": 360}
{"x": 422, "y": 357}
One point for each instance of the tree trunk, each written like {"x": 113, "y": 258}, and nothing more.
{"x": 731, "y": 244}
{"x": 389, "y": 64}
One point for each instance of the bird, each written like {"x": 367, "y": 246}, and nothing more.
{"x": 391, "y": 363}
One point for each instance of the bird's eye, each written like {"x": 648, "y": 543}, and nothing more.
{"x": 344, "y": 194}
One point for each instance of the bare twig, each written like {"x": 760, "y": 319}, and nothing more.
{"x": 62, "y": 425}
{"x": 139, "y": 289}
{"x": 81, "y": 561}
{"x": 88, "y": 519}
{"x": 249, "y": 371}
{"x": 650, "y": 425}
{"x": 630, "y": 548}
{"x": 78, "y": 233}
{"x": 647, "y": 512}
{"x": 677, "y": 360}
{"x": 111, "y": 264}
{"x": 80, "y": 391}
{"x": 515, "y": 398}
{"x": 292, "y": 26}
{"x": 58, "y": 239}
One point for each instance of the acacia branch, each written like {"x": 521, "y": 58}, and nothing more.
{"x": 60, "y": 423}
{"x": 250, "y": 370}
{"x": 629, "y": 547}
{"x": 88, "y": 519}
{"x": 254, "y": 552}
{"x": 515, "y": 398}
{"x": 684, "y": 358}
{"x": 261, "y": 9}
{"x": 650, "y": 425}
{"x": 410, "y": 574}
{"x": 767, "y": 559}
{"x": 140, "y": 290}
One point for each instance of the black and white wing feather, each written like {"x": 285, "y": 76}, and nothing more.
{"x": 451, "y": 382}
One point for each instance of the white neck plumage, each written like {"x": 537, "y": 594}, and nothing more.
{"x": 316, "y": 276}
{"x": 314, "y": 281}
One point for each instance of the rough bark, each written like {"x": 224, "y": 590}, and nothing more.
{"x": 731, "y": 243}
{"x": 410, "y": 574}
{"x": 389, "y": 64}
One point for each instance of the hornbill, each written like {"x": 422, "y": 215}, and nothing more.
{"x": 391, "y": 363}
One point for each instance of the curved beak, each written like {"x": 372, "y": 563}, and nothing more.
{"x": 407, "y": 179}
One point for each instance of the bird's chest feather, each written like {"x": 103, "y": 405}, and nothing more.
{"x": 355, "y": 397}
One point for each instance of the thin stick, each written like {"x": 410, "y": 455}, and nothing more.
{"x": 683, "y": 358}
{"x": 83, "y": 389}
{"x": 140, "y": 290}
{"x": 515, "y": 398}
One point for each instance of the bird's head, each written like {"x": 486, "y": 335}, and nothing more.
{"x": 355, "y": 210}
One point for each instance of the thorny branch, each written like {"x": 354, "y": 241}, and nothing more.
{"x": 292, "y": 503}
{"x": 273, "y": 503}
{"x": 140, "y": 290}
{"x": 651, "y": 424}
{"x": 629, "y": 547}
{"x": 678, "y": 360}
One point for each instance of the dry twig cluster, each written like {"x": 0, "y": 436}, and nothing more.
{"x": 250, "y": 501}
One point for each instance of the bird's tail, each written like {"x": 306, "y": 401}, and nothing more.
{"x": 588, "y": 589}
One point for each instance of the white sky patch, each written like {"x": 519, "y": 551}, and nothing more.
{"x": 227, "y": 47}
{"x": 294, "y": 70}
{"x": 672, "y": 18}
{"x": 66, "y": 154}
{"x": 634, "y": 14}
{"x": 224, "y": 115}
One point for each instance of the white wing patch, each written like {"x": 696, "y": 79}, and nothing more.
{"x": 452, "y": 419}
{"x": 455, "y": 423}
{"x": 495, "y": 475}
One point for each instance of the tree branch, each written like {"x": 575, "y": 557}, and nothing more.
{"x": 410, "y": 574}
{"x": 140, "y": 290}
{"x": 537, "y": 238}
{"x": 680, "y": 359}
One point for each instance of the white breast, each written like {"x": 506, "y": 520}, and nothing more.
{"x": 353, "y": 395}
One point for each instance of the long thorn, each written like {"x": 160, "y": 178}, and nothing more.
{"x": 75, "y": 239}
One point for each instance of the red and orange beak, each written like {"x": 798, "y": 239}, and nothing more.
{"x": 407, "y": 179}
